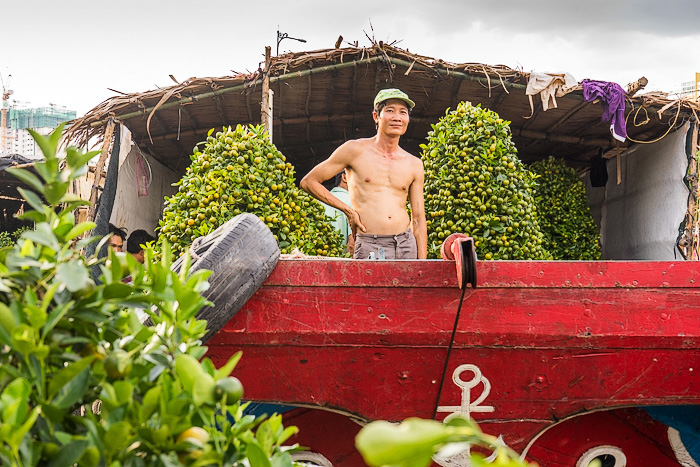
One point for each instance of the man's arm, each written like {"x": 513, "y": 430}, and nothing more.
{"x": 312, "y": 183}
{"x": 415, "y": 196}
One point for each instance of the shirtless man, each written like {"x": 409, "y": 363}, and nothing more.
{"x": 381, "y": 176}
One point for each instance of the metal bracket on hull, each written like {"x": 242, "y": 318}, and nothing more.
{"x": 460, "y": 248}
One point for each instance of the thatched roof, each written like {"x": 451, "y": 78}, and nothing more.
{"x": 324, "y": 97}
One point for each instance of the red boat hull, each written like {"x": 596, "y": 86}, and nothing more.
{"x": 536, "y": 342}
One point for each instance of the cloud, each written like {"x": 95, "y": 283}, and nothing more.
{"x": 672, "y": 18}
{"x": 74, "y": 50}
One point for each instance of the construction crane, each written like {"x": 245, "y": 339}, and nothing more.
{"x": 6, "y": 93}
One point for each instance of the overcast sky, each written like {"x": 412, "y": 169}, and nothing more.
{"x": 69, "y": 52}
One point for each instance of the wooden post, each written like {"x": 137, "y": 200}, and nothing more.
{"x": 99, "y": 169}
{"x": 266, "y": 105}
{"x": 634, "y": 88}
{"x": 693, "y": 207}
{"x": 270, "y": 122}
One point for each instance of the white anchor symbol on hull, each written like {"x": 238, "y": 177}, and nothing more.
{"x": 463, "y": 459}
{"x": 467, "y": 406}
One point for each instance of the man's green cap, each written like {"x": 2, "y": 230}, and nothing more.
{"x": 386, "y": 94}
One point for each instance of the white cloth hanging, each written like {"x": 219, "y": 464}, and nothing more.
{"x": 549, "y": 86}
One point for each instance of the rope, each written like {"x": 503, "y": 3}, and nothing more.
{"x": 205, "y": 242}
{"x": 193, "y": 249}
{"x": 647, "y": 120}
{"x": 449, "y": 352}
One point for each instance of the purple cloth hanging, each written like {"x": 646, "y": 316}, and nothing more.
{"x": 612, "y": 96}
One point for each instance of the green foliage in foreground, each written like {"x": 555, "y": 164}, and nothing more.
{"x": 415, "y": 441}
{"x": 69, "y": 345}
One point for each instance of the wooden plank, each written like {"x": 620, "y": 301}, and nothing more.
{"x": 247, "y": 103}
{"x": 536, "y": 112}
{"x": 329, "y": 105}
{"x": 193, "y": 122}
{"x": 567, "y": 116}
{"x": 456, "y": 84}
{"x": 265, "y": 113}
{"x": 499, "y": 99}
{"x": 220, "y": 110}
{"x": 100, "y": 168}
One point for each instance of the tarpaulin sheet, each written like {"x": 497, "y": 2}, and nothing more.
{"x": 639, "y": 218}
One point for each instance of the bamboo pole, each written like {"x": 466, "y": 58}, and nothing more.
{"x": 99, "y": 169}
{"x": 554, "y": 137}
{"x": 265, "y": 110}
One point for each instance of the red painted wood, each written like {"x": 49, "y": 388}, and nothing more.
{"x": 643, "y": 440}
{"x": 327, "y": 433}
{"x": 554, "y": 339}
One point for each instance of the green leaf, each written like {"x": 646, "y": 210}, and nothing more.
{"x": 23, "y": 339}
{"x": 32, "y": 198}
{"x": 188, "y": 370}
{"x": 124, "y": 391}
{"x": 228, "y": 368}
{"x": 28, "y": 178}
{"x": 73, "y": 391}
{"x": 287, "y": 433}
{"x": 8, "y": 321}
{"x": 117, "y": 289}
{"x": 48, "y": 144}
{"x": 74, "y": 274}
{"x": 282, "y": 459}
{"x": 411, "y": 443}
{"x": 19, "y": 432}
{"x": 32, "y": 216}
{"x": 36, "y": 315}
{"x": 203, "y": 390}
{"x": 208, "y": 366}
{"x": 77, "y": 159}
{"x": 115, "y": 266}
{"x": 43, "y": 235}
{"x": 45, "y": 172}
{"x": 56, "y": 191}
{"x": 117, "y": 436}
{"x": 256, "y": 455}
{"x": 70, "y": 453}
{"x": 48, "y": 297}
{"x": 151, "y": 401}
{"x": 80, "y": 229}
{"x": 65, "y": 375}
{"x": 265, "y": 436}
{"x": 5, "y": 337}
{"x": 108, "y": 395}
{"x": 56, "y": 315}
{"x": 14, "y": 400}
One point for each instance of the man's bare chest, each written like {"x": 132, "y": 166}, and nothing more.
{"x": 392, "y": 172}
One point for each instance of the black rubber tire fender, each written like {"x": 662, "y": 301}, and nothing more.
{"x": 241, "y": 255}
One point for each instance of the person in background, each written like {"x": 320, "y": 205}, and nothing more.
{"x": 134, "y": 244}
{"x": 116, "y": 238}
{"x": 340, "y": 220}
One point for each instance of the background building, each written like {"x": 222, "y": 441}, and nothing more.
{"x": 690, "y": 88}
{"x": 42, "y": 120}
